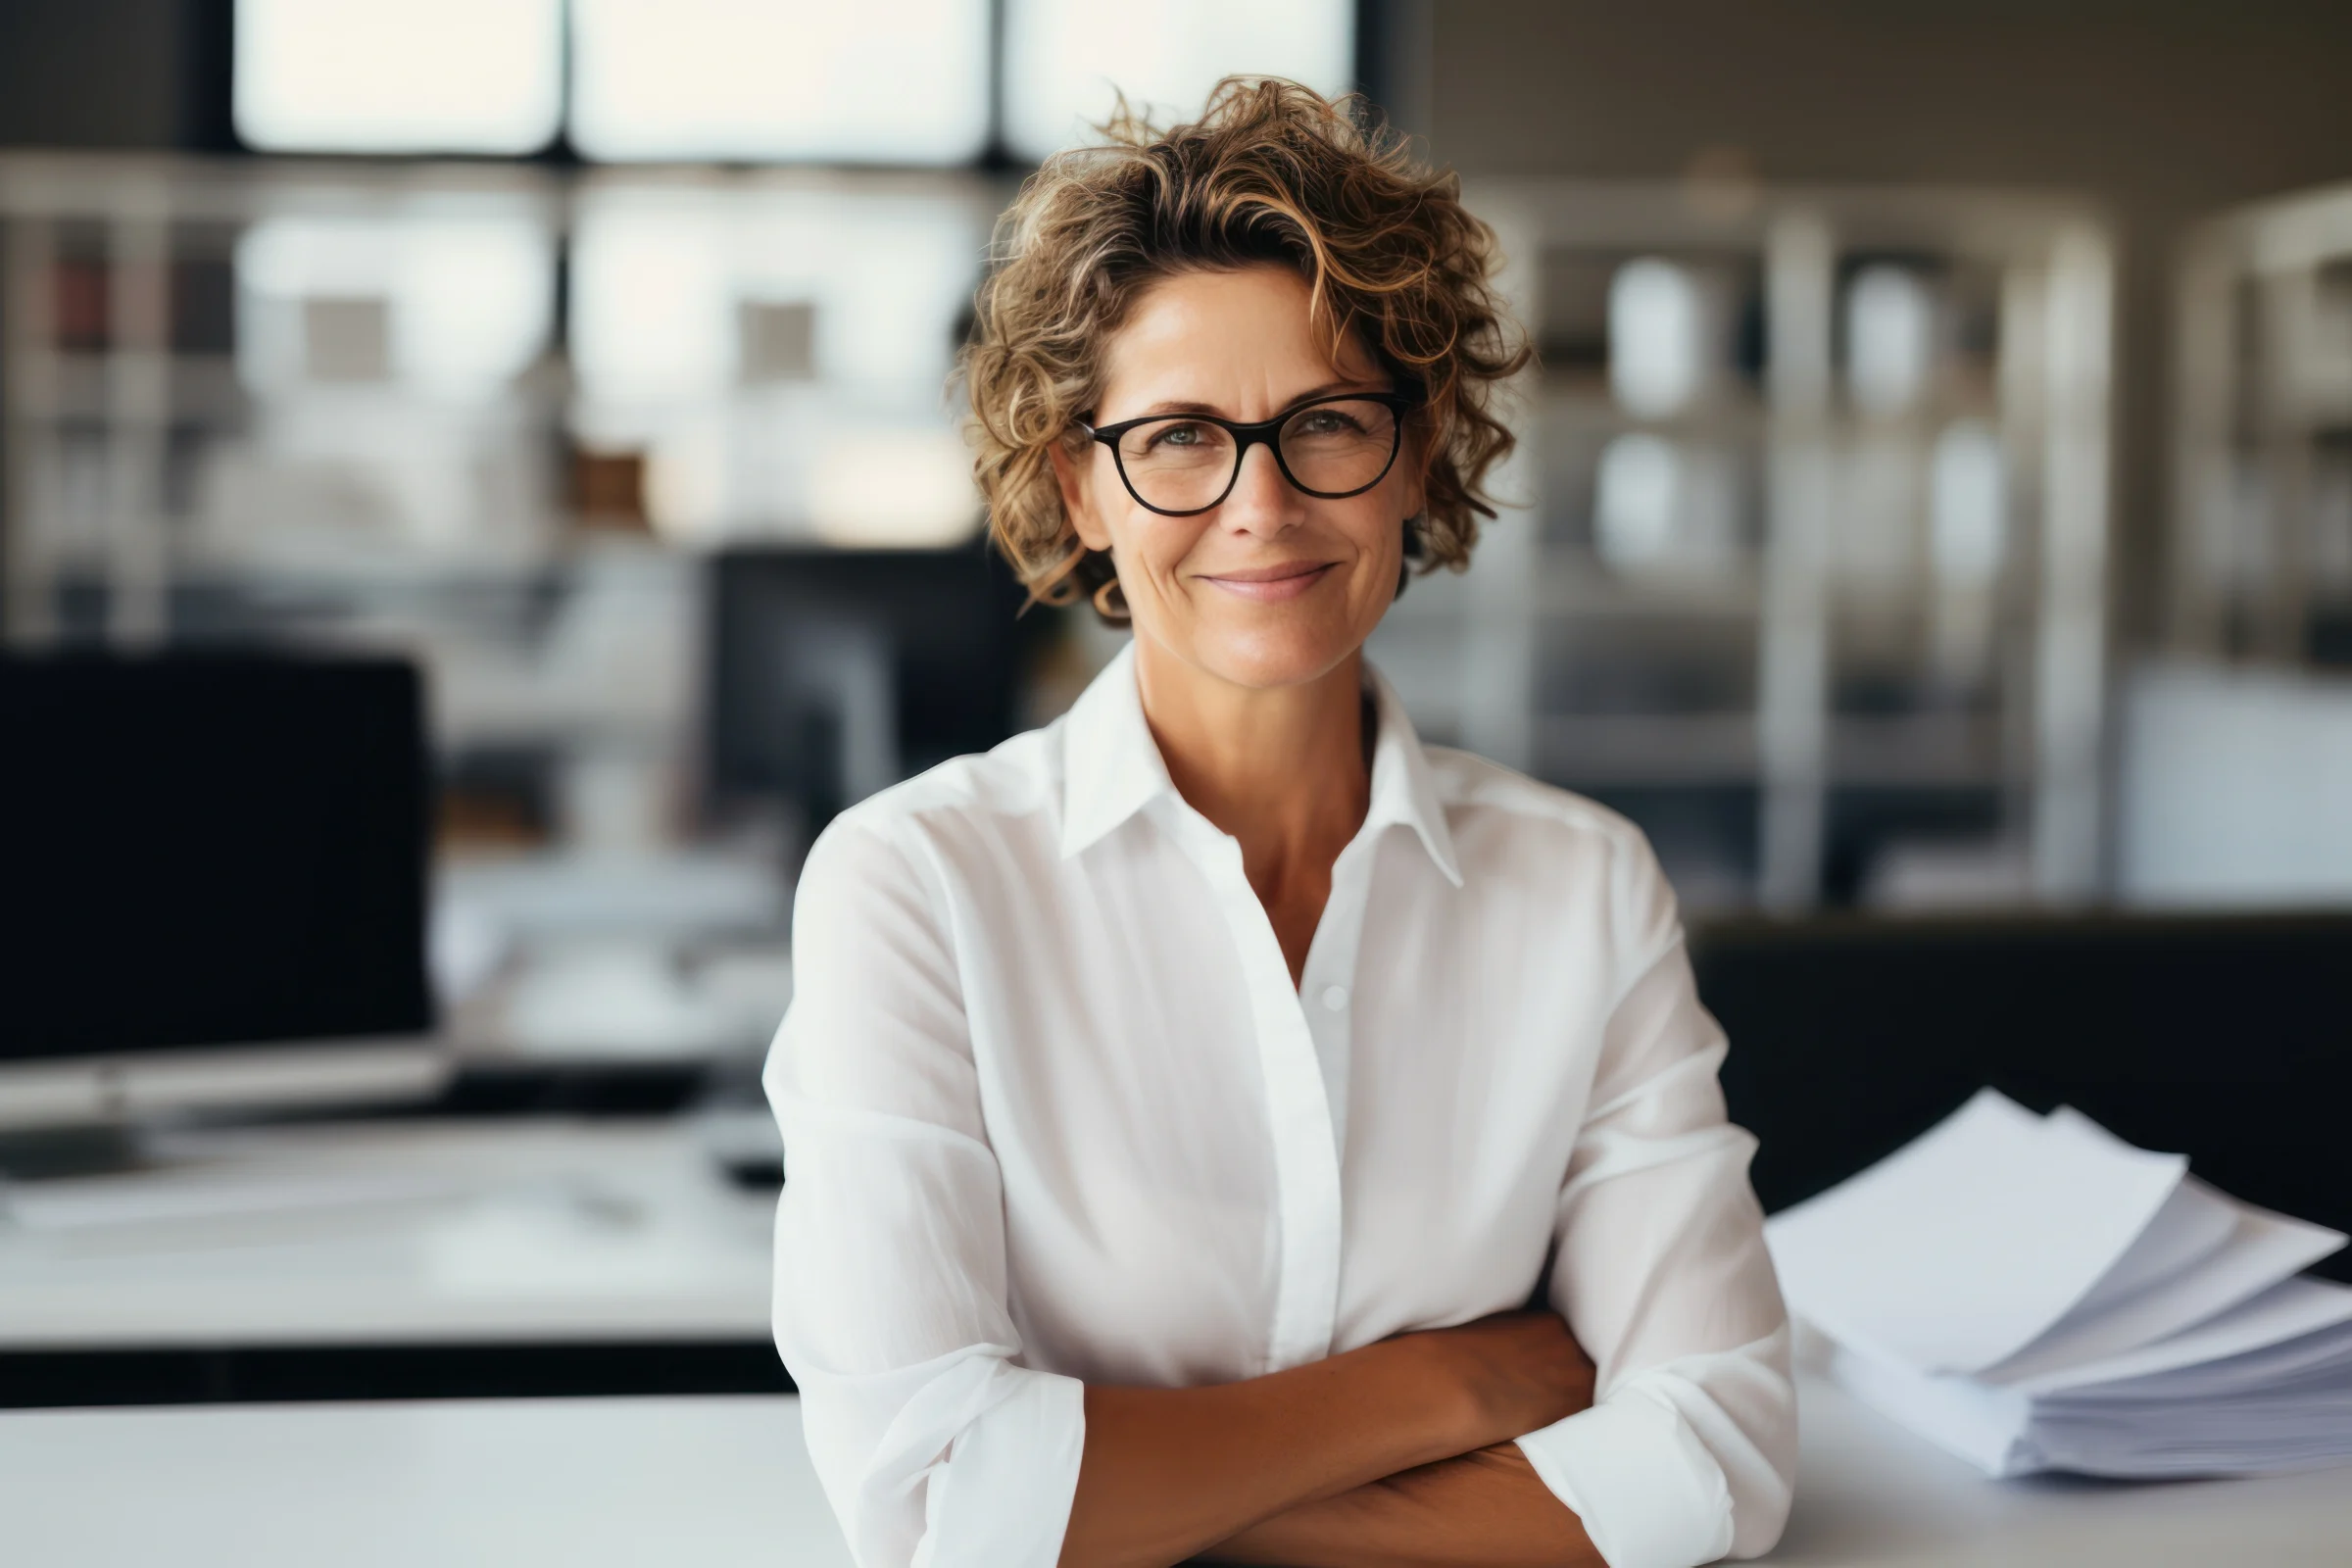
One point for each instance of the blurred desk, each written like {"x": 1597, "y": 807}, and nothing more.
{"x": 431, "y": 1259}
{"x": 1870, "y": 1493}
{"x": 586, "y": 1482}
{"x": 609, "y": 1241}
{"x": 724, "y": 1482}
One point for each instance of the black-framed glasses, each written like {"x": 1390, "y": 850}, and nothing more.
{"x": 1179, "y": 465}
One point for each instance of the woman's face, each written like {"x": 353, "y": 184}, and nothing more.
{"x": 1271, "y": 586}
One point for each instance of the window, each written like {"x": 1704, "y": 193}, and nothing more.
{"x": 875, "y": 81}
{"x": 1063, "y": 59}
{"x": 398, "y": 76}
{"x": 891, "y": 81}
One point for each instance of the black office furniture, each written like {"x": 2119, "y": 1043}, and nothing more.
{"x": 2226, "y": 1038}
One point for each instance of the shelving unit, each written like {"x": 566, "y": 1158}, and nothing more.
{"x": 1785, "y": 597}
{"x": 2261, "y": 560}
{"x": 488, "y": 414}
{"x": 1793, "y": 597}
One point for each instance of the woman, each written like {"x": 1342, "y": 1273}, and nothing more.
{"x": 1208, "y": 1115}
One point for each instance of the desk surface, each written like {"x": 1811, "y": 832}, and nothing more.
{"x": 474, "y": 1232}
{"x": 602, "y": 1482}
{"x": 607, "y": 1232}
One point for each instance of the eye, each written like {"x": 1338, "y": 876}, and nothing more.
{"x": 1324, "y": 421}
{"x": 1176, "y": 435}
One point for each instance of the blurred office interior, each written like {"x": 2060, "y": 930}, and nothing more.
{"x": 1934, "y": 503}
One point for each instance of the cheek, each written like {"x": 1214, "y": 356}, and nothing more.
{"x": 1379, "y": 534}
{"x": 1151, "y": 550}
{"x": 1382, "y": 544}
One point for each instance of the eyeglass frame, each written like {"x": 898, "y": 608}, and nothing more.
{"x": 1245, "y": 436}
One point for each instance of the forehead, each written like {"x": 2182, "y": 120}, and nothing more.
{"x": 1215, "y": 337}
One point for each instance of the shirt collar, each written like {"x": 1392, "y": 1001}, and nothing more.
{"x": 1403, "y": 789}
{"x": 1112, "y": 767}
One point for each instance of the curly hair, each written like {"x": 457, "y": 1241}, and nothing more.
{"x": 1270, "y": 172}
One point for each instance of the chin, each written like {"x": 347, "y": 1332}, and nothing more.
{"x": 1270, "y": 656}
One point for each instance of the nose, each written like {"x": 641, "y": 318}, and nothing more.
{"x": 1261, "y": 501}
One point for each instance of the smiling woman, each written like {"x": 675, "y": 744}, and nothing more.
{"x": 1217, "y": 1123}
{"x": 1287, "y": 496}
{"x": 1398, "y": 276}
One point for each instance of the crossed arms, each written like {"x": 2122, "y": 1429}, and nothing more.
{"x": 1397, "y": 1454}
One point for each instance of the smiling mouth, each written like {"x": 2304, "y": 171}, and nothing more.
{"x": 1269, "y": 584}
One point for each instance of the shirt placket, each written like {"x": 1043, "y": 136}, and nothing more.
{"x": 1298, "y": 1111}
{"x": 1327, "y": 986}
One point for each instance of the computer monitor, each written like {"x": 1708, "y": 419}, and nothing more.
{"x": 837, "y": 672}
{"x": 212, "y": 884}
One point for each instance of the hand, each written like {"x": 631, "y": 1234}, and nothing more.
{"x": 1518, "y": 1371}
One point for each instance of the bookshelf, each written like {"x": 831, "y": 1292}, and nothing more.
{"x": 2261, "y": 558}
{"x": 489, "y": 413}
{"x": 1810, "y": 565}
{"x": 1808, "y": 569}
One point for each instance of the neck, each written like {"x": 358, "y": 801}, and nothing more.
{"x": 1286, "y": 771}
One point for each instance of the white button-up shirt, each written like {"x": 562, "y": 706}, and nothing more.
{"x": 1054, "y": 1113}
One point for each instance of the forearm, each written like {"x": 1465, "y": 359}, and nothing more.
{"x": 1488, "y": 1509}
{"x": 1169, "y": 1472}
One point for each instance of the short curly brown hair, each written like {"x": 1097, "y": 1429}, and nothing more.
{"x": 1270, "y": 172}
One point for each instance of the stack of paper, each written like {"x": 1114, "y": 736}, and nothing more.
{"x": 2034, "y": 1294}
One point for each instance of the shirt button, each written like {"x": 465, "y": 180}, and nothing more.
{"x": 1334, "y": 997}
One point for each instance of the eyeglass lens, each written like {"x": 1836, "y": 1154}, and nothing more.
{"x": 1182, "y": 465}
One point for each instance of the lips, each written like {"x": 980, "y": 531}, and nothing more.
{"x": 1272, "y": 584}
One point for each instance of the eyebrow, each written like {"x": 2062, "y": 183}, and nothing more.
{"x": 1327, "y": 389}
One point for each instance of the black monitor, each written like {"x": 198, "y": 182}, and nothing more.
{"x": 836, "y": 673}
{"x": 213, "y": 868}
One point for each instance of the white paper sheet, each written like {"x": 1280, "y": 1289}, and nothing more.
{"x": 2283, "y": 1408}
{"x": 1965, "y": 1247}
{"x": 2275, "y": 1428}
{"x": 2194, "y": 1223}
{"x": 2153, "y": 1326}
{"x": 2262, "y": 1250}
{"x": 1984, "y": 1425}
{"x": 2285, "y": 1311}
{"x": 2320, "y": 1356}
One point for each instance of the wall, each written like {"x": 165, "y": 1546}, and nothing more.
{"x": 113, "y": 73}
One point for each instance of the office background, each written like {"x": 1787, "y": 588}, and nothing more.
{"x": 1935, "y": 531}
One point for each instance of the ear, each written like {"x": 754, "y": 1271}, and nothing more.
{"x": 1075, "y": 476}
{"x": 1416, "y": 475}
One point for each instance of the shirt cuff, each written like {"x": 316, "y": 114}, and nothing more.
{"x": 1648, "y": 1491}
{"x": 1003, "y": 1498}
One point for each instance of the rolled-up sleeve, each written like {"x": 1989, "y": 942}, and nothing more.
{"x": 1688, "y": 1452}
{"x": 934, "y": 1445}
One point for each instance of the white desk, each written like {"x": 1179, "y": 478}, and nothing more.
{"x": 504, "y": 1483}
{"x": 617, "y": 1231}
{"x": 1870, "y": 1493}
{"x": 473, "y": 1232}
{"x": 717, "y": 1482}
